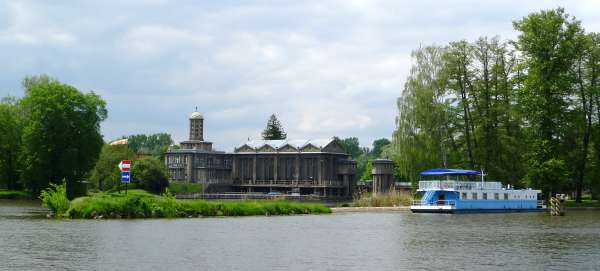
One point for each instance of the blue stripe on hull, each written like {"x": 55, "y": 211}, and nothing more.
{"x": 469, "y": 211}
{"x": 496, "y": 204}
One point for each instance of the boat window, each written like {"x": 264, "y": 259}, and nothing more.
{"x": 474, "y": 195}
{"x": 505, "y": 196}
{"x": 484, "y": 196}
{"x": 464, "y": 195}
{"x": 496, "y": 196}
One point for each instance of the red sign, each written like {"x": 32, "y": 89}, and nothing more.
{"x": 125, "y": 165}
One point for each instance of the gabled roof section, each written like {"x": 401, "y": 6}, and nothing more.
{"x": 291, "y": 145}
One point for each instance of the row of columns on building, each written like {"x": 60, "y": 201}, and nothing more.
{"x": 276, "y": 172}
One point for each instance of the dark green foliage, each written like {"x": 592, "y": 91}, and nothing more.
{"x": 367, "y": 172}
{"x": 351, "y": 146}
{"x": 106, "y": 174}
{"x": 378, "y": 146}
{"x": 61, "y": 138}
{"x": 182, "y": 187}
{"x": 138, "y": 204}
{"x": 525, "y": 111}
{"x": 154, "y": 144}
{"x": 12, "y": 120}
{"x": 274, "y": 130}
{"x": 149, "y": 174}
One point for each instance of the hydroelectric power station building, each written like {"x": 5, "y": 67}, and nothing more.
{"x": 308, "y": 167}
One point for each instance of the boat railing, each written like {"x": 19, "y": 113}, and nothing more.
{"x": 436, "y": 203}
{"x": 458, "y": 185}
{"x": 541, "y": 204}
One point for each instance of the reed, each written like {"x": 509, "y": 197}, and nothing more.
{"x": 389, "y": 199}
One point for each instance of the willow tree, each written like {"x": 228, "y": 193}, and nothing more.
{"x": 423, "y": 135}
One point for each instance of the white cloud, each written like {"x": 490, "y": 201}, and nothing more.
{"x": 327, "y": 68}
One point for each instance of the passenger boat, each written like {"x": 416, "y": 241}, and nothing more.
{"x": 450, "y": 194}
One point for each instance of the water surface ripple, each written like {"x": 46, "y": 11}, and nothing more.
{"x": 353, "y": 241}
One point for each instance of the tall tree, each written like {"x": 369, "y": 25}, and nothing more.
{"x": 11, "y": 130}
{"x": 548, "y": 43}
{"x": 62, "y": 137}
{"x": 274, "y": 129}
{"x": 425, "y": 126}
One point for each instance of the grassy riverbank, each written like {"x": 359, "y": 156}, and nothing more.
{"x": 140, "y": 204}
{"x": 586, "y": 203}
{"x": 14, "y": 194}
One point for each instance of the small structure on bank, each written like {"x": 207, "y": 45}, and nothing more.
{"x": 383, "y": 176}
{"x": 317, "y": 167}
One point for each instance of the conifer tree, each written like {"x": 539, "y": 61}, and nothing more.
{"x": 274, "y": 129}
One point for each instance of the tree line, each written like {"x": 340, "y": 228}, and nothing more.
{"x": 52, "y": 134}
{"x": 526, "y": 111}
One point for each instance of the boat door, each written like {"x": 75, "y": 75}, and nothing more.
{"x": 441, "y": 199}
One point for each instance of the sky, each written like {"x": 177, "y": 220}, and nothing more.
{"x": 325, "y": 68}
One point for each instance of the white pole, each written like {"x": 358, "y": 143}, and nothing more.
{"x": 482, "y": 186}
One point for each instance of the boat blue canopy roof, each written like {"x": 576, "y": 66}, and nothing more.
{"x": 448, "y": 171}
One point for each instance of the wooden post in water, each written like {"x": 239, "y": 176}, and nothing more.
{"x": 557, "y": 206}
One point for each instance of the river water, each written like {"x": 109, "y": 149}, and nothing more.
{"x": 344, "y": 241}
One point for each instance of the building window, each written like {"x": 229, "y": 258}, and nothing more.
{"x": 474, "y": 195}
{"x": 505, "y": 196}
{"x": 464, "y": 195}
{"x": 484, "y": 196}
{"x": 496, "y": 196}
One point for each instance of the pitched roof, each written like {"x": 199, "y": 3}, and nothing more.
{"x": 296, "y": 143}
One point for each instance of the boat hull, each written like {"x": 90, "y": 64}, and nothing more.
{"x": 434, "y": 209}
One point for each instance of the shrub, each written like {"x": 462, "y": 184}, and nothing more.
{"x": 180, "y": 187}
{"x": 150, "y": 174}
{"x": 55, "y": 199}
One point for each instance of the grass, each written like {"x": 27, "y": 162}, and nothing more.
{"x": 584, "y": 203}
{"x": 140, "y": 204}
{"x": 14, "y": 194}
{"x": 180, "y": 187}
{"x": 389, "y": 199}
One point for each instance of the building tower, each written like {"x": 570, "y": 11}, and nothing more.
{"x": 383, "y": 176}
{"x": 196, "y": 127}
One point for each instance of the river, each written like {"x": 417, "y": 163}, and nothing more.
{"x": 344, "y": 241}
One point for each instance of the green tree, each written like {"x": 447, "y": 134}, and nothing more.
{"x": 11, "y": 129}
{"x": 548, "y": 41}
{"x": 154, "y": 144}
{"x": 106, "y": 175}
{"x": 150, "y": 174}
{"x": 61, "y": 139}
{"x": 351, "y": 146}
{"x": 274, "y": 130}
{"x": 425, "y": 123}
{"x": 367, "y": 172}
{"x": 378, "y": 146}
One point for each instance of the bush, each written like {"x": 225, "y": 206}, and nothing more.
{"x": 180, "y": 187}
{"x": 150, "y": 175}
{"x": 55, "y": 199}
